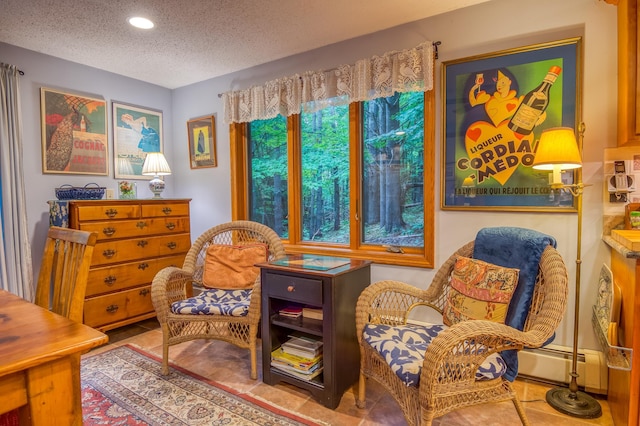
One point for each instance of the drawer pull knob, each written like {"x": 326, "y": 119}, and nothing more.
{"x": 142, "y": 243}
{"x": 144, "y": 292}
{"x": 111, "y": 212}
{"x": 143, "y": 266}
{"x": 167, "y": 210}
{"x": 171, "y": 226}
{"x": 110, "y": 280}
{"x": 109, "y": 231}
{"x": 172, "y": 245}
{"x": 291, "y": 288}
{"x": 141, "y": 224}
{"x": 112, "y": 309}
{"x": 109, "y": 253}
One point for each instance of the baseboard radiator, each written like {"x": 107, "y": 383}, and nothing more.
{"x": 553, "y": 364}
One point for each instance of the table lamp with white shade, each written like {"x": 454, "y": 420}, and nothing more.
{"x": 156, "y": 165}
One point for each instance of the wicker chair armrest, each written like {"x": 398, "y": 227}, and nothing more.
{"x": 469, "y": 343}
{"x": 169, "y": 285}
{"x": 255, "y": 302}
{"x": 386, "y": 302}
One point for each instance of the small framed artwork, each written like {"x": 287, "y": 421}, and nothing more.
{"x": 136, "y": 131}
{"x": 495, "y": 108}
{"x": 74, "y": 133}
{"x": 202, "y": 142}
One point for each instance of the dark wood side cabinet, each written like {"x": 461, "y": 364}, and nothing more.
{"x": 307, "y": 281}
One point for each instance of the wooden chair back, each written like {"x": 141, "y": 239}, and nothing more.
{"x": 62, "y": 282}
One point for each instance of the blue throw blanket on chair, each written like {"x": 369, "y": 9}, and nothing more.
{"x": 514, "y": 248}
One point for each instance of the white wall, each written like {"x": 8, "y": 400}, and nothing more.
{"x": 489, "y": 27}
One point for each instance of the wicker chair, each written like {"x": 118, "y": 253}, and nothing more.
{"x": 447, "y": 379}
{"x": 173, "y": 284}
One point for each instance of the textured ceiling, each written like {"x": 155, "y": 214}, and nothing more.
{"x": 195, "y": 40}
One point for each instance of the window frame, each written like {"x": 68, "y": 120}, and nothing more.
{"x": 410, "y": 256}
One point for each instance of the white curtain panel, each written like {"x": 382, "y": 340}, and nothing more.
{"x": 16, "y": 272}
{"x": 380, "y": 76}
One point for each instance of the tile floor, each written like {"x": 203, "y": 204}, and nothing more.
{"x": 229, "y": 365}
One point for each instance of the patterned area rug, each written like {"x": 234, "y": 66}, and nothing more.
{"x": 123, "y": 386}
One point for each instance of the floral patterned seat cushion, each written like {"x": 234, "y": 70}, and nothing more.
{"x": 403, "y": 348}
{"x": 215, "y": 302}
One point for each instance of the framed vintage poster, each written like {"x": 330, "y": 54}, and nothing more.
{"x": 74, "y": 133}
{"x": 136, "y": 131}
{"x": 202, "y": 142}
{"x": 495, "y": 107}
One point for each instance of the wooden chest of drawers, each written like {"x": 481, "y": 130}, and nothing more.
{"x": 136, "y": 238}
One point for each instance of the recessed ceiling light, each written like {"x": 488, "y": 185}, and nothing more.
{"x": 140, "y": 22}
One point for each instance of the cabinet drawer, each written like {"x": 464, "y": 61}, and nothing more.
{"x": 107, "y": 252}
{"x": 164, "y": 210}
{"x": 114, "y": 307}
{"x": 108, "y": 212}
{"x": 137, "y": 228}
{"x": 114, "y": 278}
{"x": 295, "y": 289}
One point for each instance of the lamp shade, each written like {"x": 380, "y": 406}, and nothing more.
{"x": 155, "y": 165}
{"x": 557, "y": 149}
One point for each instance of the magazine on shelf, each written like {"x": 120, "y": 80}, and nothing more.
{"x": 280, "y": 357}
{"x": 297, "y": 373}
{"x": 303, "y": 346}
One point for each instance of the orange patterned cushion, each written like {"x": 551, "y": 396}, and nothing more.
{"x": 479, "y": 290}
{"x": 232, "y": 267}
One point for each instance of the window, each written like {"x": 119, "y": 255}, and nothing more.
{"x": 393, "y": 171}
{"x": 324, "y": 194}
{"x": 354, "y": 180}
{"x": 268, "y": 173}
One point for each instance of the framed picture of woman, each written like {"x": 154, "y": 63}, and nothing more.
{"x": 136, "y": 132}
{"x": 496, "y": 106}
{"x": 202, "y": 142}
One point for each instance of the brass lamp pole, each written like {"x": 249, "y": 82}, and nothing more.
{"x": 558, "y": 150}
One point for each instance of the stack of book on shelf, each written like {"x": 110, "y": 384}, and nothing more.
{"x": 290, "y": 311}
{"x": 300, "y": 357}
{"x": 313, "y": 313}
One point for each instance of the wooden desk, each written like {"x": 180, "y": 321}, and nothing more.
{"x": 40, "y": 362}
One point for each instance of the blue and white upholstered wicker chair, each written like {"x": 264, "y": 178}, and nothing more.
{"x": 221, "y": 260}
{"x": 503, "y": 291}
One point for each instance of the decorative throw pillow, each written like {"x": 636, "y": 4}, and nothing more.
{"x": 479, "y": 290}
{"x": 232, "y": 267}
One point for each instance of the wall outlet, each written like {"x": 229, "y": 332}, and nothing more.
{"x": 111, "y": 194}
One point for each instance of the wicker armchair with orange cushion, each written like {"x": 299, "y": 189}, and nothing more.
{"x": 222, "y": 262}
{"x": 504, "y": 291}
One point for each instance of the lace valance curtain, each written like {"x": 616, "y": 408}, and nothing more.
{"x": 380, "y": 76}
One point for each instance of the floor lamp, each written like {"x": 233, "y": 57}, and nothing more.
{"x": 558, "y": 150}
